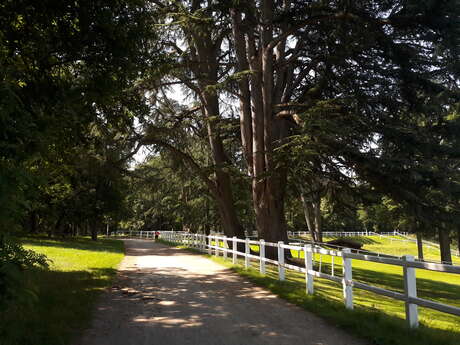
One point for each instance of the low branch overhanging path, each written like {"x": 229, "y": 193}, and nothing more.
{"x": 170, "y": 296}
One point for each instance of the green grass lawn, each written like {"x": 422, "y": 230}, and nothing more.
{"x": 392, "y": 245}
{"x": 377, "y": 318}
{"x": 79, "y": 271}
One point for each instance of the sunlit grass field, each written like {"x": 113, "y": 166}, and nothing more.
{"x": 80, "y": 254}
{"x": 79, "y": 270}
{"x": 436, "y": 328}
{"x": 394, "y": 245}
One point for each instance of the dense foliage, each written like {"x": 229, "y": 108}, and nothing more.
{"x": 258, "y": 115}
{"x": 14, "y": 260}
{"x": 68, "y": 98}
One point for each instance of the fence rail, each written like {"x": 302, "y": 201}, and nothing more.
{"x": 227, "y": 247}
{"x": 348, "y": 233}
{"x": 393, "y": 235}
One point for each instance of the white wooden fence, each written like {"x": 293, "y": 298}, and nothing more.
{"x": 348, "y": 233}
{"x": 227, "y": 247}
{"x": 392, "y": 236}
{"x": 136, "y": 233}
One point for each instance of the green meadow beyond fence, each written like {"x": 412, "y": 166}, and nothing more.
{"x": 228, "y": 248}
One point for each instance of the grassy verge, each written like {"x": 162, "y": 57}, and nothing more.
{"x": 378, "y": 319}
{"x": 66, "y": 294}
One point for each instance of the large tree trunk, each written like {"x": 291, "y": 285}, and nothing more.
{"x": 444, "y": 244}
{"x": 223, "y": 195}
{"x": 420, "y": 245}
{"x": 203, "y": 57}
{"x": 206, "y": 52}
{"x": 261, "y": 131}
{"x": 228, "y": 216}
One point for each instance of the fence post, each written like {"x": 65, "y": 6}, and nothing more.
{"x": 347, "y": 280}
{"x": 262, "y": 256}
{"x": 281, "y": 275}
{"x": 246, "y": 253}
{"x": 308, "y": 268}
{"x": 209, "y": 245}
{"x": 410, "y": 290}
{"x": 216, "y": 243}
{"x": 225, "y": 247}
{"x": 234, "y": 250}
{"x": 332, "y": 265}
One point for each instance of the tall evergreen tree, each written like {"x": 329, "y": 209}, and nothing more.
{"x": 372, "y": 82}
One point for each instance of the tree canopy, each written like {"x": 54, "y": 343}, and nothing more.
{"x": 259, "y": 115}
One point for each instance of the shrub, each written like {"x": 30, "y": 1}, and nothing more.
{"x": 15, "y": 261}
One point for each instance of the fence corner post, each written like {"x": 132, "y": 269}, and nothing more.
{"x": 262, "y": 256}
{"x": 281, "y": 273}
{"x": 410, "y": 290}
{"x": 216, "y": 244}
{"x": 209, "y": 245}
{"x": 234, "y": 250}
{"x": 308, "y": 253}
{"x": 246, "y": 253}
{"x": 225, "y": 247}
{"x": 347, "y": 281}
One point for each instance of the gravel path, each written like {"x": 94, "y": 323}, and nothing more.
{"x": 170, "y": 296}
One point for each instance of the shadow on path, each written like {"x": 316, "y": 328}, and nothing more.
{"x": 167, "y": 296}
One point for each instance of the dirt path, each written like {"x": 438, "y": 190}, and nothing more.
{"x": 170, "y": 296}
